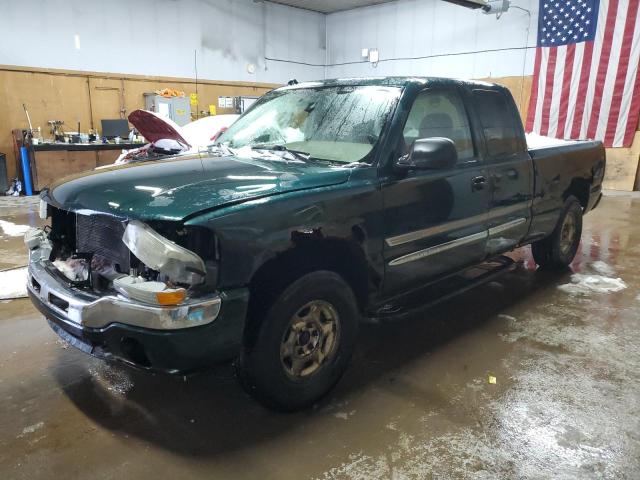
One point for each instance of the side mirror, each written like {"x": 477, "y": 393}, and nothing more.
{"x": 429, "y": 154}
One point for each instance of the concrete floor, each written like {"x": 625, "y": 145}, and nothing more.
{"x": 415, "y": 403}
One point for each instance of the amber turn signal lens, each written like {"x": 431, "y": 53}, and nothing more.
{"x": 172, "y": 297}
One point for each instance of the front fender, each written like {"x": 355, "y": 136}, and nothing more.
{"x": 251, "y": 233}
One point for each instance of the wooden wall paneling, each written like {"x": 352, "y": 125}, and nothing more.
{"x": 48, "y": 167}
{"x": 81, "y": 161}
{"x": 622, "y": 166}
{"x": 53, "y": 165}
{"x": 65, "y": 95}
{"x": 47, "y": 97}
{"x": 107, "y": 101}
{"x": 107, "y": 157}
{"x": 6, "y": 129}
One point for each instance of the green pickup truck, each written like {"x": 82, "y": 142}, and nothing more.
{"x": 325, "y": 203}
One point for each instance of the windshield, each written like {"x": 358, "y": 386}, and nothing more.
{"x": 339, "y": 124}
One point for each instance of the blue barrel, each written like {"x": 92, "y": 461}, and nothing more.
{"x": 26, "y": 170}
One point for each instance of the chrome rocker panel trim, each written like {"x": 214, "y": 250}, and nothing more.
{"x": 413, "y": 256}
{"x": 454, "y": 225}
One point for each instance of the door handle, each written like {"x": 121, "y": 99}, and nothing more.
{"x": 478, "y": 183}
{"x": 512, "y": 173}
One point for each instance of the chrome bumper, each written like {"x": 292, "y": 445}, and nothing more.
{"x": 84, "y": 309}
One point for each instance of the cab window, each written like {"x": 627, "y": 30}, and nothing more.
{"x": 498, "y": 123}
{"x": 439, "y": 113}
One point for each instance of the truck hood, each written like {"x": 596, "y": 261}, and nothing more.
{"x": 153, "y": 127}
{"x": 178, "y": 187}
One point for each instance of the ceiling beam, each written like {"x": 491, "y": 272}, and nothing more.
{"x": 308, "y": 5}
{"x": 473, "y": 4}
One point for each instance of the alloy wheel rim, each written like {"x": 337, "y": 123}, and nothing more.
{"x": 310, "y": 340}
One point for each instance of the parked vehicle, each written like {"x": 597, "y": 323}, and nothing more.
{"x": 325, "y": 203}
{"x": 168, "y": 138}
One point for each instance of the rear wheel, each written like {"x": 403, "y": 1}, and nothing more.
{"x": 304, "y": 343}
{"x": 559, "y": 249}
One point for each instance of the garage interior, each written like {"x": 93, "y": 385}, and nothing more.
{"x": 535, "y": 374}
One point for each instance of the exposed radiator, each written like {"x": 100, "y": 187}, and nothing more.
{"x": 102, "y": 235}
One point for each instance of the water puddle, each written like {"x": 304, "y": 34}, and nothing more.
{"x": 112, "y": 379}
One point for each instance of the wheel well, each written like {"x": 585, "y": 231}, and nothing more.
{"x": 579, "y": 188}
{"x": 344, "y": 257}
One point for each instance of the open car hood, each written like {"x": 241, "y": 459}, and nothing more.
{"x": 154, "y": 127}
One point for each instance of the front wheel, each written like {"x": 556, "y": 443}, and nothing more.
{"x": 559, "y": 249}
{"x": 304, "y": 343}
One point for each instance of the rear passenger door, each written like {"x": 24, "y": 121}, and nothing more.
{"x": 510, "y": 169}
{"x": 435, "y": 220}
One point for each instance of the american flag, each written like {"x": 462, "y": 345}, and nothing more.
{"x": 585, "y": 79}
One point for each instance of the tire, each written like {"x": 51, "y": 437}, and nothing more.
{"x": 559, "y": 249}
{"x": 303, "y": 345}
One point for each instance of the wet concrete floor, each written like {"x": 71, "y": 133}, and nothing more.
{"x": 417, "y": 401}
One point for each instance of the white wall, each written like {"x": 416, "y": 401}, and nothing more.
{"x": 417, "y": 28}
{"x": 158, "y": 37}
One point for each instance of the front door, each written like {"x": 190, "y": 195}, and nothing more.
{"x": 510, "y": 171}
{"x": 435, "y": 220}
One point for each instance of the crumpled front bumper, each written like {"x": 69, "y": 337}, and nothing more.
{"x": 87, "y": 310}
{"x": 174, "y": 339}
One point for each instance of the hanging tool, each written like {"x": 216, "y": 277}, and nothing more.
{"x": 28, "y": 118}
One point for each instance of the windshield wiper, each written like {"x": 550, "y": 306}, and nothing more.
{"x": 355, "y": 164}
{"x": 224, "y": 149}
{"x": 300, "y": 155}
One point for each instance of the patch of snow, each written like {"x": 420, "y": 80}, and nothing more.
{"x": 13, "y": 230}
{"x": 602, "y": 268}
{"x": 75, "y": 269}
{"x": 540, "y": 141}
{"x": 31, "y": 429}
{"x": 344, "y": 415}
{"x": 584, "y": 284}
{"x": 13, "y": 283}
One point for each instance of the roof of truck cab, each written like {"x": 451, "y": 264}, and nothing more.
{"x": 388, "y": 82}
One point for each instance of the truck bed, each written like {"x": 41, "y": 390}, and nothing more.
{"x": 572, "y": 168}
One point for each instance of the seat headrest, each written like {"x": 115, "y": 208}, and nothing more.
{"x": 436, "y": 120}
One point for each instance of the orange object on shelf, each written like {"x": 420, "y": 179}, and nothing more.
{"x": 169, "y": 92}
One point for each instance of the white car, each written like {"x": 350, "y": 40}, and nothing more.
{"x": 168, "y": 138}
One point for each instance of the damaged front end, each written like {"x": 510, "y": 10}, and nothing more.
{"x": 96, "y": 269}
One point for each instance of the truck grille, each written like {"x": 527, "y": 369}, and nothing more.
{"x": 102, "y": 235}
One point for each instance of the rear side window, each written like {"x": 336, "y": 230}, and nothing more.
{"x": 498, "y": 123}
{"x": 439, "y": 113}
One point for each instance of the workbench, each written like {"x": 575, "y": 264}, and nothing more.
{"x": 52, "y": 161}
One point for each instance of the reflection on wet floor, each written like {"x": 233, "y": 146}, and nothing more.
{"x": 417, "y": 401}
